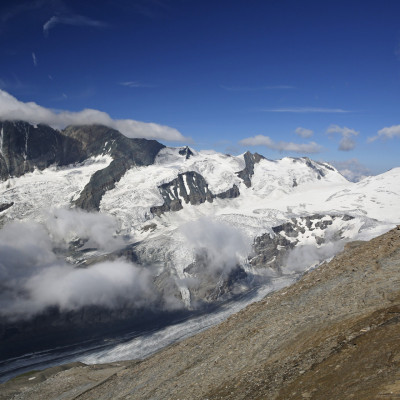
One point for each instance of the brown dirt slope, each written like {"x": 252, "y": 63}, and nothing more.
{"x": 335, "y": 334}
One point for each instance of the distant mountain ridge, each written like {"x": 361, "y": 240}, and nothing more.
{"x": 24, "y": 147}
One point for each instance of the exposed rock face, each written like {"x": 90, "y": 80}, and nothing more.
{"x": 319, "y": 171}
{"x": 272, "y": 250}
{"x": 332, "y": 335}
{"x": 186, "y": 152}
{"x": 190, "y": 187}
{"x": 125, "y": 152}
{"x": 24, "y": 147}
{"x": 5, "y": 206}
{"x": 248, "y": 171}
{"x": 230, "y": 193}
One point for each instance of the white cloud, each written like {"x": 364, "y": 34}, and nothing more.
{"x": 305, "y": 110}
{"x": 303, "y": 132}
{"x": 34, "y": 59}
{"x": 34, "y": 274}
{"x": 389, "y": 132}
{"x": 223, "y": 246}
{"x": 75, "y": 20}
{"x": 13, "y": 109}
{"x": 261, "y": 140}
{"x": 352, "y": 169}
{"x": 347, "y": 142}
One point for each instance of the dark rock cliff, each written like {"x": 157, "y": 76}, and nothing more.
{"x": 248, "y": 171}
{"x": 124, "y": 151}
{"x": 192, "y": 188}
{"x": 24, "y": 147}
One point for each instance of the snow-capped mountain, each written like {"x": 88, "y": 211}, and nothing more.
{"x": 193, "y": 226}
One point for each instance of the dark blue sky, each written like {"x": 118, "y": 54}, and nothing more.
{"x": 219, "y": 71}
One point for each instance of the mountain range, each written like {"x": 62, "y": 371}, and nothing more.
{"x": 100, "y": 228}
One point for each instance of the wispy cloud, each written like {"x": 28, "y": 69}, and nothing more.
{"x": 74, "y": 20}
{"x": 261, "y": 140}
{"x": 13, "y": 109}
{"x": 22, "y": 7}
{"x": 34, "y": 59}
{"x": 305, "y": 110}
{"x": 303, "y": 132}
{"x": 352, "y": 169}
{"x": 135, "y": 84}
{"x": 347, "y": 142}
{"x": 389, "y": 132}
{"x": 255, "y": 88}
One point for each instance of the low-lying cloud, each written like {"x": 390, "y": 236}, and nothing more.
{"x": 34, "y": 274}
{"x": 220, "y": 244}
{"x": 303, "y": 257}
{"x": 13, "y": 109}
{"x": 303, "y": 148}
{"x": 96, "y": 229}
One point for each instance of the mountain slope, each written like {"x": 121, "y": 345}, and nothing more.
{"x": 333, "y": 334}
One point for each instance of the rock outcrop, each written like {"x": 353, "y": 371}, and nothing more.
{"x": 190, "y": 187}
{"x": 272, "y": 250}
{"x": 24, "y": 147}
{"x": 248, "y": 171}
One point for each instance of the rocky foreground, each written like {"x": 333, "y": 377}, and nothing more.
{"x": 335, "y": 334}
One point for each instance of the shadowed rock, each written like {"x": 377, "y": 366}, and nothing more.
{"x": 248, "y": 171}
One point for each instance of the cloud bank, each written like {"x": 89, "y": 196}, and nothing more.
{"x": 13, "y": 109}
{"x": 261, "y": 140}
{"x": 347, "y": 142}
{"x": 34, "y": 276}
{"x": 389, "y": 132}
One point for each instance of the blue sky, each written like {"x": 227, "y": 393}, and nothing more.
{"x": 230, "y": 75}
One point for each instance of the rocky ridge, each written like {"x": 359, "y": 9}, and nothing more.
{"x": 333, "y": 334}
{"x": 24, "y": 147}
